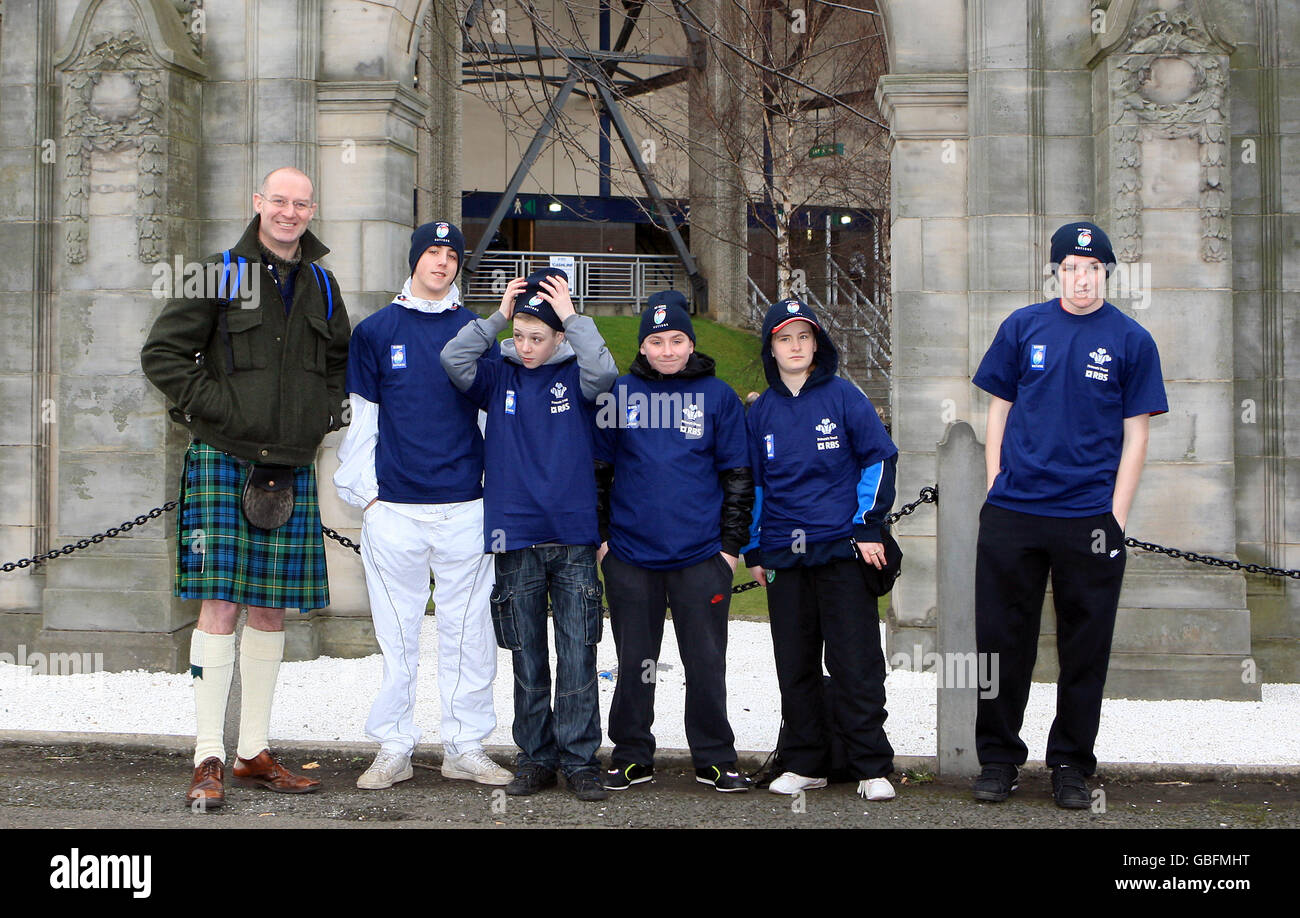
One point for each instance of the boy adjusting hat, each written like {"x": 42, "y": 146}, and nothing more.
{"x": 529, "y": 302}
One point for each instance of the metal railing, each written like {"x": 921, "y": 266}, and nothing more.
{"x": 597, "y": 277}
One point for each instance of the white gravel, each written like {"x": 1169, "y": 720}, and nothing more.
{"x": 327, "y": 699}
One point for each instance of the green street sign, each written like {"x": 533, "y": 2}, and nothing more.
{"x": 826, "y": 149}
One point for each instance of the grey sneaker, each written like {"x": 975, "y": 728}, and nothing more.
{"x": 475, "y": 765}
{"x": 586, "y": 785}
{"x": 387, "y": 769}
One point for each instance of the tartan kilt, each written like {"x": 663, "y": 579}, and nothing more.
{"x": 220, "y": 555}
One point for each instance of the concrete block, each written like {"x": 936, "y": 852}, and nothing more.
{"x": 17, "y": 114}
{"x": 301, "y": 640}
{"x": 1289, "y": 153}
{"x": 20, "y": 590}
{"x": 1171, "y": 242}
{"x": 906, "y": 259}
{"x": 348, "y": 637}
{"x": 997, "y": 43}
{"x": 1198, "y": 426}
{"x": 1182, "y": 504}
{"x": 1277, "y": 659}
{"x": 18, "y": 630}
{"x": 1001, "y": 256}
{"x": 999, "y": 176}
{"x": 929, "y": 36}
{"x": 1249, "y": 419}
{"x": 101, "y": 606}
{"x": 943, "y": 252}
{"x": 923, "y": 408}
{"x": 915, "y": 594}
{"x": 1171, "y": 172}
{"x": 17, "y": 478}
{"x": 1247, "y": 235}
{"x": 384, "y": 247}
{"x": 999, "y": 102}
{"x": 18, "y": 343}
{"x": 1247, "y": 325}
{"x": 925, "y": 185}
{"x": 150, "y": 651}
{"x": 1288, "y": 245}
{"x": 1070, "y": 186}
{"x": 17, "y": 274}
{"x": 17, "y": 410}
{"x": 1067, "y": 34}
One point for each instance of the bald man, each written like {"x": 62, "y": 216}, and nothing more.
{"x": 255, "y": 367}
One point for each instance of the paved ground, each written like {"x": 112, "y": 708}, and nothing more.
{"x": 102, "y": 786}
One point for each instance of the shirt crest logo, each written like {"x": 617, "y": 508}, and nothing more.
{"x": 510, "y": 401}
{"x": 559, "y": 403}
{"x": 398, "y": 352}
{"x": 1038, "y": 356}
{"x": 558, "y": 390}
{"x": 692, "y": 426}
{"x": 828, "y": 438}
{"x": 633, "y": 416}
{"x": 1097, "y": 369}
{"x": 769, "y": 444}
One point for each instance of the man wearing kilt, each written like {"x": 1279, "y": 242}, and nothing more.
{"x": 255, "y": 367}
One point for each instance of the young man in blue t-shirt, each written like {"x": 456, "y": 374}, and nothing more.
{"x": 413, "y": 459}
{"x": 672, "y": 434}
{"x": 1074, "y": 383}
{"x": 540, "y": 516}
{"x": 823, "y": 468}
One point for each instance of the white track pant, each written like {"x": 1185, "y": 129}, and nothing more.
{"x": 399, "y": 549}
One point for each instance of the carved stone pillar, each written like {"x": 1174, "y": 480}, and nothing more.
{"x": 129, "y": 82}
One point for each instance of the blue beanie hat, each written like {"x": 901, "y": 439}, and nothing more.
{"x": 437, "y": 233}
{"x": 665, "y": 311}
{"x": 1082, "y": 238}
{"x": 530, "y": 302}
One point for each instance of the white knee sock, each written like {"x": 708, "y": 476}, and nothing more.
{"x": 212, "y": 664}
{"x": 260, "y": 653}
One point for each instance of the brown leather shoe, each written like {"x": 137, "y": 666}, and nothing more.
{"x": 264, "y": 771}
{"x": 207, "y": 789}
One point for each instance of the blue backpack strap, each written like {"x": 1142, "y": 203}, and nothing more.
{"x": 323, "y": 281}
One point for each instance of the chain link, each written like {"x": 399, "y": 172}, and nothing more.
{"x": 1212, "y": 561}
{"x": 112, "y": 532}
{"x": 928, "y": 495}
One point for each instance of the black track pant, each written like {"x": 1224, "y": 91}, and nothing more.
{"x": 828, "y": 607}
{"x": 1085, "y": 557}
{"x": 700, "y": 597}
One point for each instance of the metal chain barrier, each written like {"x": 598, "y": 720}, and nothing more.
{"x": 93, "y": 540}
{"x": 928, "y": 495}
{"x": 1213, "y": 562}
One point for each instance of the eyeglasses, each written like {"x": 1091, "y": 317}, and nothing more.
{"x": 299, "y": 206}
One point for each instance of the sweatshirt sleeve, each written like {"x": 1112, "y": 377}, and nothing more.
{"x": 464, "y": 355}
{"x": 596, "y": 364}
{"x": 355, "y": 479}
{"x": 875, "y": 498}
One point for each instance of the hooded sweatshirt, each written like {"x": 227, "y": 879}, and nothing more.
{"x": 823, "y": 464}
{"x": 672, "y": 441}
{"x": 539, "y": 485}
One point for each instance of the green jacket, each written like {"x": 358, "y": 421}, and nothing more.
{"x": 279, "y": 387}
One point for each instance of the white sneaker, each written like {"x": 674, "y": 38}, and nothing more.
{"x": 475, "y": 766}
{"x": 387, "y": 769}
{"x": 791, "y": 783}
{"x": 876, "y": 789}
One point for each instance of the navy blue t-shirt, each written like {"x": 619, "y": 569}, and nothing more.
{"x": 1072, "y": 381}
{"x": 430, "y": 450}
{"x": 819, "y": 459}
{"x": 668, "y": 440}
{"x": 540, "y": 484}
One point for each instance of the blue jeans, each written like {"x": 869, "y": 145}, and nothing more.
{"x": 566, "y": 738}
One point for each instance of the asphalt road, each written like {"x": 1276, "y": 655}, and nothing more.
{"x": 98, "y": 786}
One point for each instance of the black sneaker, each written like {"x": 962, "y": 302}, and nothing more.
{"x": 530, "y": 779}
{"x": 586, "y": 785}
{"x": 724, "y": 778}
{"x": 1069, "y": 789}
{"x": 996, "y": 782}
{"x": 621, "y": 777}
